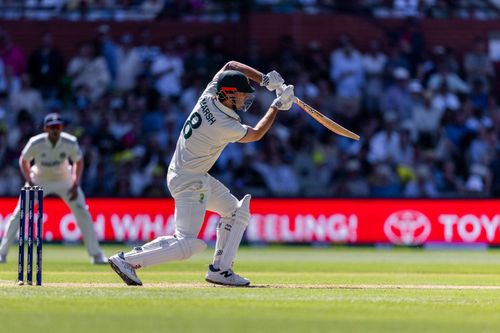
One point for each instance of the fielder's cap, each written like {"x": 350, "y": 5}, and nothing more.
{"x": 52, "y": 119}
{"x": 234, "y": 80}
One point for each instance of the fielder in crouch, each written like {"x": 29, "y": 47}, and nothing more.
{"x": 51, "y": 152}
{"x": 213, "y": 123}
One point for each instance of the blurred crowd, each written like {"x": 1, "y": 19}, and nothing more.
{"x": 428, "y": 120}
{"x": 223, "y": 10}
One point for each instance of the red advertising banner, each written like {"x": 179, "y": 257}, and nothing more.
{"x": 408, "y": 222}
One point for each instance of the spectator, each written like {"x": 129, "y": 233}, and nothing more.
{"x": 46, "y": 68}
{"x": 13, "y": 56}
{"x": 28, "y": 99}
{"x": 286, "y": 54}
{"x": 384, "y": 144}
{"x": 189, "y": 96}
{"x": 478, "y": 96}
{"x": 167, "y": 70}
{"x": 395, "y": 60}
{"x": 128, "y": 64}
{"x": 483, "y": 146}
{"x": 448, "y": 182}
{"x": 146, "y": 49}
{"x": 128, "y": 132}
{"x": 443, "y": 99}
{"x": 157, "y": 188}
{"x": 452, "y": 80}
{"x": 404, "y": 8}
{"x": 144, "y": 93}
{"x": 346, "y": 71}
{"x": 479, "y": 181}
{"x": 107, "y": 49}
{"x": 396, "y": 97}
{"x": 353, "y": 184}
{"x": 412, "y": 43}
{"x": 152, "y": 7}
{"x": 198, "y": 62}
{"x": 478, "y": 66}
{"x": 279, "y": 177}
{"x": 404, "y": 155}
{"x": 384, "y": 183}
{"x": 374, "y": 62}
{"x": 20, "y": 133}
{"x": 425, "y": 117}
{"x": 89, "y": 70}
{"x": 315, "y": 61}
{"x": 422, "y": 186}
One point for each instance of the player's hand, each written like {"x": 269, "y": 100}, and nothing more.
{"x": 73, "y": 192}
{"x": 285, "y": 97}
{"x": 272, "y": 81}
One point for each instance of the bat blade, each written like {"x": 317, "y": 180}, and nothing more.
{"x": 325, "y": 121}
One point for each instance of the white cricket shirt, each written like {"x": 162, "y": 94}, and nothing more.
{"x": 52, "y": 162}
{"x": 210, "y": 127}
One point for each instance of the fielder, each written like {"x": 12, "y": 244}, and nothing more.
{"x": 51, "y": 152}
{"x": 213, "y": 123}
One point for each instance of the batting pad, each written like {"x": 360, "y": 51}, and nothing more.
{"x": 229, "y": 234}
{"x": 164, "y": 249}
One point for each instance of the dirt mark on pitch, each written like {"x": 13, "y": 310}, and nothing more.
{"x": 202, "y": 285}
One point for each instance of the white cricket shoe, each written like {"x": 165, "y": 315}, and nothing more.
{"x": 3, "y": 258}
{"x": 124, "y": 270}
{"x": 225, "y": 278}
{"x": 99, "y": 259}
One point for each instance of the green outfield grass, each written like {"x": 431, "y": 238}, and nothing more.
{"x": 296, "y": 289}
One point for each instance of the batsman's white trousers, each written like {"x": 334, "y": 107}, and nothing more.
{"x": 78, "y": 208}
{"x": 194, "y": 194}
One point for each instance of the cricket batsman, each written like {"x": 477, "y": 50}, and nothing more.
{"x": 213, "y": 123}
{"x": 51, "y": 152}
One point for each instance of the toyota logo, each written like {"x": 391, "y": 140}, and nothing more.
{"x": 407, "y": 227}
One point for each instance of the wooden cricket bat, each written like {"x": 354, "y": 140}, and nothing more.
{"x": 325, "y": 121}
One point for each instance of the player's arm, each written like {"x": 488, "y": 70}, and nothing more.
{"x": 24, "y": 166}
{"x": 27, "y": 155}
{"x": 77, "y": 177}
{"x": 283, "y": 101}
{"x": 78, "y": 172}
{"x": 271, "y": 80}
{"x": 256, "y": 133}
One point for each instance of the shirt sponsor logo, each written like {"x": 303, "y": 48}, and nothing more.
{"x": 50, "y": 163}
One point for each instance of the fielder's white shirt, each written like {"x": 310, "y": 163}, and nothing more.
{"x": 51, "y": 162}
{"x": 210, "y": 127}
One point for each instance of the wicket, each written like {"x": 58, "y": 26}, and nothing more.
{"x": 30, "y": 191}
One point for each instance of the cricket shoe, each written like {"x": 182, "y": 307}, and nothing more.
{"x": 225, "y": 278}
{"x": 125, "y": 270}
{"x": 99, "y": 259}
{"x": 3, "y": 258}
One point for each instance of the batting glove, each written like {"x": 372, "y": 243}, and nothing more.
{"x": 272, "y": 81}
{"x": 285, "y": 98}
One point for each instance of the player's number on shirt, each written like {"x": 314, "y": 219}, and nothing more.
{"x": 192, "y": 123}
